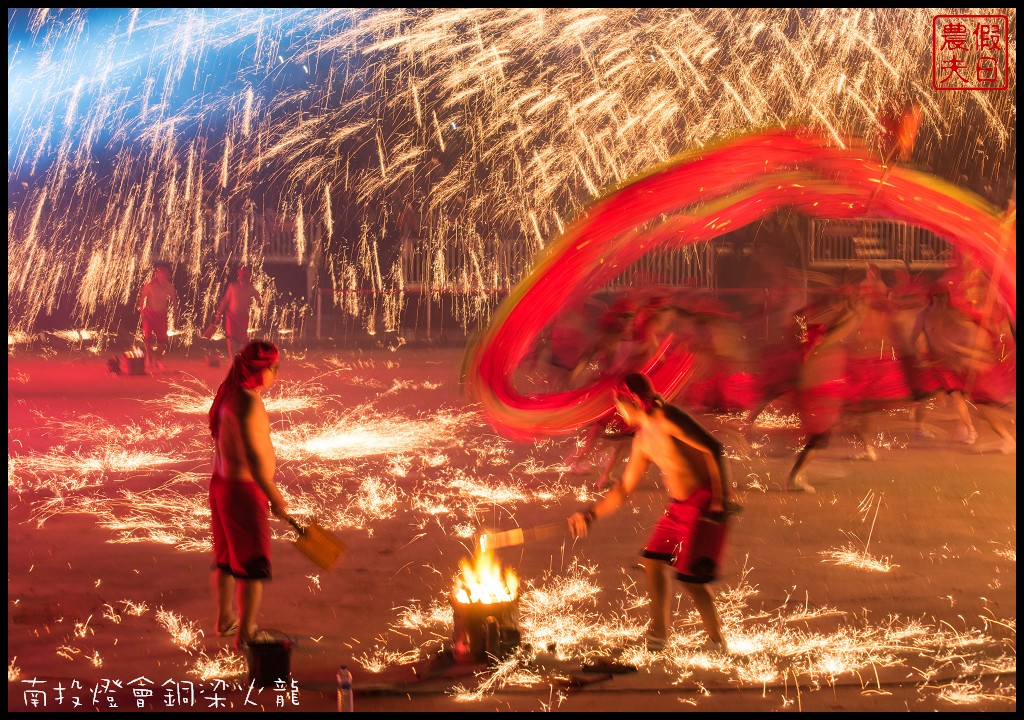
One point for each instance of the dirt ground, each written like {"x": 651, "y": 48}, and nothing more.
{"x": 893, "y": 588}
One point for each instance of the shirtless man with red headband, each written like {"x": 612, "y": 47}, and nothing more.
{"x": 689, "y": 536}
{"x": 240, "y": 489}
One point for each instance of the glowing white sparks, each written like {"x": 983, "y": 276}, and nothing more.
{"x": 356, "y": 435}
{"x": 852, "y": 557}
{"x": 223, "y": 665}
{"x": 134, "y": 161}
{"x": 184, "y": 633}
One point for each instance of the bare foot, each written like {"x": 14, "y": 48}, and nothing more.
{"x": 868, "y": 454}
{"x": 798, "y": 484}
{"x": 964, "y": 434}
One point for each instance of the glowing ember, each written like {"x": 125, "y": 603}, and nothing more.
{"x": 482, "y": 581}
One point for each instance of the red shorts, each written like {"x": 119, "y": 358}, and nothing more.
{"x": 154, "y": 323}
{"x": 686, "y": 539}
{"x": 237, "y": 328}
{"x": 996, "y": 385}
{"x": 820, "y": 407}
{"x": 241, "y": 528}
{"x": 878, "y": 379}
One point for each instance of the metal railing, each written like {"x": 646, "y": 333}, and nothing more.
{"x": 456, "y": 270}
{"x": 840, "y": 243}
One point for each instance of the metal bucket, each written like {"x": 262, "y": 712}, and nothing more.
{"x": 484, "y": 633}
{"x": 269, "y": 658}
{"x": 134, "y": 365}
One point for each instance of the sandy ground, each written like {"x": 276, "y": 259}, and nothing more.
{"x": 893, "y": 588}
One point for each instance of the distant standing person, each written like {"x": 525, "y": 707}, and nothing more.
{"x": 693, "y": 473}
{"x": 241, "y": 487}
{"x": 234, "y": 309}
{"x": 156, "y": 302}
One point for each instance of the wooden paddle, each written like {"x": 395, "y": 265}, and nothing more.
{"x": 520, "y": 535}
{"x": 319, "y": 545}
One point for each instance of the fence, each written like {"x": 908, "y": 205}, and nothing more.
{"x": 838, "y": 243}
{"x": 459, "y": 271}
{"x": 461, "y": 280}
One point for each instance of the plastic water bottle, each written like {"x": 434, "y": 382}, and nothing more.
{"x": 344, "y": 689}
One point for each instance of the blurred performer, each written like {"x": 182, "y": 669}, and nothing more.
{"x": 852, "y": 367}
{"x": 723, "y": 379}
{"x": 944, "y": 335}
{"x": 240, "y": 489}
{"x": 563, "y": 346}
{"x": 966, "y": 360}
{"x": 614, "y": 350}
{"x": 781, "y": 352}
{"x": 876, "y": 366}
{"x": 156, "y": 302}
{"x": 234, "y": 310}
{"x": 909, "y": 297}
{"x": 689, "y": 537}
{"x": 822, "y": 388}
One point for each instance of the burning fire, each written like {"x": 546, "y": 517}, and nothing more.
{"x": 482, "y": 582}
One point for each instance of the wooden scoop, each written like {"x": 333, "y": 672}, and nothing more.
{"x": 319, "y": 545}
{"x": 520, "y": 535}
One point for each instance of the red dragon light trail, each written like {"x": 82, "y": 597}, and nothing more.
{"x": 705, "y": 195}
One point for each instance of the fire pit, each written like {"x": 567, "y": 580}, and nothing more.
{"x": 485, "y": 604}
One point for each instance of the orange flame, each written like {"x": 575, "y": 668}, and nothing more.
{"x": 482, "y": 581}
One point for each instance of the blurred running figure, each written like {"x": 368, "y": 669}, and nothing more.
{"x": 234, "y": 310}
{"x": 156, "y": 302}
{"x": 693, "y": 473}
{"x": 967, "y": 361}
{"x": 240, "y": 489}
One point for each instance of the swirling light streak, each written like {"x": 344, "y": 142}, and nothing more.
{"x": 695, "y": 198}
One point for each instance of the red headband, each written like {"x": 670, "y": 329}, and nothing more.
{"x": 246, "y": 372}
{"x": 645, "y": 403}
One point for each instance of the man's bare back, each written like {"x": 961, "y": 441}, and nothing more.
{"x": 684, "y": 468}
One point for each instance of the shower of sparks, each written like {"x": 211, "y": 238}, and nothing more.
{"x": 969, "y": 693}
{"x": 135, "y": 609}
{"x": 381, "y": 659}
{"x": 1008, "y": 553}
{"x": 184, "y": 633}
{"x": 223, "y": 665}
{"x": 569, "y": 612}
{"x": 468, "y": 136}
{"x": 860, "y": 559}
{"x": 13, "y": 671}
{"x": 362, "y": 434}
{"x": 454, "y": 474}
